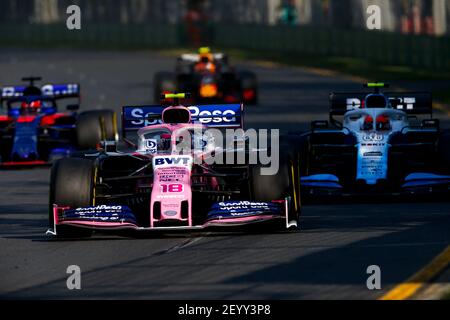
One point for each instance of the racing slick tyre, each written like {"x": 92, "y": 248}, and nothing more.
{"x": 71, "y": 185}
{"x": 163, "y": 82}
{"x": 92, "y": 127}
{"x": 249, "y": 87}
{"x": 285, "y": 183}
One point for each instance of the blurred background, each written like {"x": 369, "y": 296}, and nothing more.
{"x": 415, "y": 33}
{"x": 406, "y": 16}
{"x": 413, "y": 43}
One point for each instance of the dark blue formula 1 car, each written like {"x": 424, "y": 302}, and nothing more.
{"x": 34, "y": 132}
{"x": 387, "y": 143}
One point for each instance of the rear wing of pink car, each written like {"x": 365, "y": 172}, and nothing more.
{"x": 214, "y": 116}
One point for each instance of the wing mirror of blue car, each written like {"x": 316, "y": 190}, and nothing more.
{"x": 73, "y": 107}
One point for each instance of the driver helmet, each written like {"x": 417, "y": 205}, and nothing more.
{"x": 32, "y": 91}
{"x": 206, "y": 61}
{"x": 205, "y": 55}
{"x": 32, "y": 107}
{"x": 373, "y": 101}
{"x": 383, "y": 123}
{"x": 368, "y": 123}
{"x": 204, "y": 66}
{"x": 165, "y": 142}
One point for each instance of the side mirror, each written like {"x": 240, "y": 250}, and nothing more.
{"x": 73, "y": 107}
{"x": 108, "y": 146}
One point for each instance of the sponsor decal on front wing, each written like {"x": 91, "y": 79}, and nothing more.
{"x": 234, "y": 209}
{"x": 101, "y": 213}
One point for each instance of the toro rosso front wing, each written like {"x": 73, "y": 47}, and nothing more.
{"x": 222, "y": 214}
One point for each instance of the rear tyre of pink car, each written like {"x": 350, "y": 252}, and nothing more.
{"x": 94, "y": 127}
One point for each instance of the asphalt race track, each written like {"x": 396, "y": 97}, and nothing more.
{"x": 327, "y": 259}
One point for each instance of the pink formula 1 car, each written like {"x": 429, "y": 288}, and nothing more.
{"x": 168, "y": 180}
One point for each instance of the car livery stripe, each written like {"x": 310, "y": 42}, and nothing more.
{"x": 22, "y": 163}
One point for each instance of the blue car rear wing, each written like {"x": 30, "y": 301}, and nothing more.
{"x": 56, "y": 91}
{"x": 214, "y": 116}
{"x": 413, "y": 103}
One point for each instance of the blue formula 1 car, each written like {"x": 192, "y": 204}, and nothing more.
{"x": 384, "y": 143}
{"x": 34, "y": 132}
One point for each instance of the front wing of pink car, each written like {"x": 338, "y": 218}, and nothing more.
{"x": 222, "y": 214}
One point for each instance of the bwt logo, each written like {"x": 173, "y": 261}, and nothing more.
{"x": 172, "y": 161}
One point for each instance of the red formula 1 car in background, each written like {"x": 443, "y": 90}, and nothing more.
{"x": 210, "y": 79}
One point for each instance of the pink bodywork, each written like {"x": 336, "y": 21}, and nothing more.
{"x": 130, "y": 226}
{"x": 172, "y": 177}
{"x": 171, "y": 187}
{"x": 172, "y": 182}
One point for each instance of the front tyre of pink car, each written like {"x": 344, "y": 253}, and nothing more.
{"x": 72, "y": 183}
